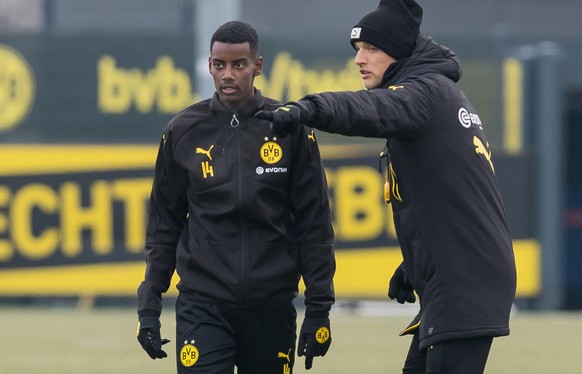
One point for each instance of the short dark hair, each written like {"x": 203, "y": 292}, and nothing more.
{"x": 236, "y": 32}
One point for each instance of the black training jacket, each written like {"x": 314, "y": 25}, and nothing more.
{"x": 449, "y": 216}
{"x": 239, "y": 213}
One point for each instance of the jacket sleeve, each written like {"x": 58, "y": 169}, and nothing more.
{"x": 166, "y": 221}
{"x": 312, "y": 219}
{"x": 399, "y": 111}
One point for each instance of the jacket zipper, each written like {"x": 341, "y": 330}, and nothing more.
{"x": 234, "y": 122}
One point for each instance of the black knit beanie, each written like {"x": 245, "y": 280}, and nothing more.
{"x": 392, "y": 27}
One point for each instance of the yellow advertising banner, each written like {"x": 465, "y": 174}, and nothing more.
{"x": 72, "y": 222}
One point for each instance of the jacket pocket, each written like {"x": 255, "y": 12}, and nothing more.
{"x": 414, "y": 249}
{"x": 210, "y": 269}
{"x": 272, "y": 269}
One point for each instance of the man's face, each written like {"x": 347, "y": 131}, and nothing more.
{"x": 373, "y": 63}
{"x": 234, "y": 68}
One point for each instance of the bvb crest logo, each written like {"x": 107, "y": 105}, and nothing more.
{"x": 17, "y": 88}
{"x": 271, "y": 152}
{"x": 189, "y": 354}
{"x": 322, "y": 335}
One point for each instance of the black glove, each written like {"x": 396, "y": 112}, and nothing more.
{"x": 287, "y": 119}
{"x": 400, "y": 287}
{"x": 148, "y": 335}
{"x": 284, "y": 120}
{"x": 314, "y": 339}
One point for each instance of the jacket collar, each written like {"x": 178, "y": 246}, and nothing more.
{"x": 256, "y": 103}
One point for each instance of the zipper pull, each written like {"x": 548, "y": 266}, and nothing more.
{"x": 387, "y": 191}
{"x": 234, "y": 122}
{"x": 385, "y": 154}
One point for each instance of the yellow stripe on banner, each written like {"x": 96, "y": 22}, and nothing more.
{"x": 528, "y": 258}
{"x": 112, "y": 279}
{"x": 365, "y": 272}
{"x": 513, "y": 106}
{"x": 361, "y": 273}
{"x": 48, "y": 159}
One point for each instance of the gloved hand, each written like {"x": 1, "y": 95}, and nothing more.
{"x": 148, "y": 335}
{"x": 287, "y": 119}
{"x": 400, "y": 287}
{"x": 314, "y": 339}
{"x": 284, "y": 120}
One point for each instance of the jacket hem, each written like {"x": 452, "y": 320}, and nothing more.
{"x": 456, "y": 335}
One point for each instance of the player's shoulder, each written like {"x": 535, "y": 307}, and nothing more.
{"x": 191, "y": 115}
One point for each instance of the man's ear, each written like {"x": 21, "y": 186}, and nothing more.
{"x": 210, "y": 64}
{"x": 259, "y": 66}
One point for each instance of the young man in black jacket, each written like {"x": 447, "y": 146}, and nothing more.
{"x": 241, "y": 215}
{"x": 448, "y": 212}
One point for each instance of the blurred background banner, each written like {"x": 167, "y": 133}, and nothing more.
{"x": 74, "y": 220}
{"x": 86, "y": 88}
{"x": 93, "y": 88}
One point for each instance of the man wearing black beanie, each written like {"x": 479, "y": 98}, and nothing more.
{"x": 448, "y": 212}
{"x": 393, "y": 27}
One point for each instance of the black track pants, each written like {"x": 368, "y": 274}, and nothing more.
{"x": 212, "y": 339}
{"x": 463, "y": 356}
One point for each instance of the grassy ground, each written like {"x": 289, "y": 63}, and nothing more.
{"x": 73, "y": 341}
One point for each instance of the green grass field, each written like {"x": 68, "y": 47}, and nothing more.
{"x": 73, "y": 341}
